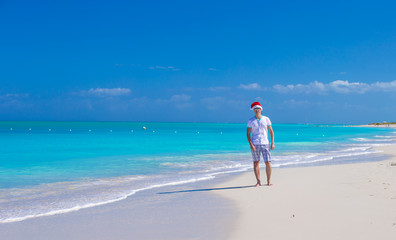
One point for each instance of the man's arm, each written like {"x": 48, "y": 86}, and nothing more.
{"x": 271, "y": 131}
{"x": 249, "y": 130}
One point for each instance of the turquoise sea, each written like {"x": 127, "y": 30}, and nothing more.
{"x": 50, "y": 168}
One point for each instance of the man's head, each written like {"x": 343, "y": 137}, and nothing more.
{"x": 256, "y": 107}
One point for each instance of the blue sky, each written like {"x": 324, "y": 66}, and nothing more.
{"x": 198, "y": 61}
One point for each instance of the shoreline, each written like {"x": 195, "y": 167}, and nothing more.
{"x": 346, "y": 201}
{"x": 376, "y": 126}
{"x": 168, "y": 213}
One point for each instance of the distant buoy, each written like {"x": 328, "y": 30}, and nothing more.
{"x": 89, "y": 130}
{"x": 198, "y": 132}
{"x": 144, "y": 128}
{"x": 111, "y": 130}
{"x": 30, "y": 129}
{"x": 153, "y": 131}
{"x": 11, "y": 129}
{"x": 175, "y": 131}
{"x": 70, "y": 130}
{"x": 50, "y": 130}
{"x": 131, "y": 130}
{"x": 221, "y": 132}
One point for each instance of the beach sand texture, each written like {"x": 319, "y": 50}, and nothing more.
{"x": 350, "y": 201}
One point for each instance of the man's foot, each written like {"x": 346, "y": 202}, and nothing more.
{"x": 258, "y": 184}
{"x": 269, "y": 184}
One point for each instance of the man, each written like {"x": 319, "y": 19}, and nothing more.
{"x": 259, "y": 126}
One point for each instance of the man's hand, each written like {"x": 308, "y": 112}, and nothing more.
{"x": 272, "y": 146}
{"x": 253, "y": 147}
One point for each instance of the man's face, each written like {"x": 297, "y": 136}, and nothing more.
{"x": 257, "y": 110}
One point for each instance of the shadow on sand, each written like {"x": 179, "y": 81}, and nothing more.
{"x": 205, "y": 189}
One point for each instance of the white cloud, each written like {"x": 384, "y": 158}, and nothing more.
{"x": 251, "y": 86}
{"x": 311, "y": 87}
{"x": 341, "y": 86}
{"x": 14, "y": 95}
{"x": 105, "y": 92}
{"x": 384, "y": 86}
{"x": 180, "y": 98}
{"x": 171, "y": 68}
{"x": 15, "y": 101}
{"x": 212, "y": 69}
{"x": 338, "y": 86}
{"x": 160, "y": 67}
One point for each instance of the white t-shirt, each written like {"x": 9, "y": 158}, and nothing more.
{"x": 259, "y": 129}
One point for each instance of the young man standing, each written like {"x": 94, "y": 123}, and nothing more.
{"x": 259, "y": 126}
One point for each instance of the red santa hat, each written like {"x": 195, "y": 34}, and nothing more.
{"x": 256, "y": 105}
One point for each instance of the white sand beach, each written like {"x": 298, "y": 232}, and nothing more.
{"x": 350, "y": 201}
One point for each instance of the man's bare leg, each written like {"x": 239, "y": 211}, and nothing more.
{"x": 268, "y": 171}
{"x": 256, "y": 167}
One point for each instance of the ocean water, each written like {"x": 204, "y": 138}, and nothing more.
{"x": 51, "y": 168}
